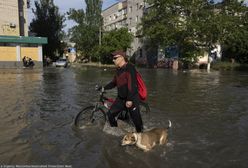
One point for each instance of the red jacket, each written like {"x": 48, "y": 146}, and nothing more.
{"x": 126, "y": 82}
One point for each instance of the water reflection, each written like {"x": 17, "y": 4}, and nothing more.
{"x": 18, "y": 89}
{"x": 209, "y": 112}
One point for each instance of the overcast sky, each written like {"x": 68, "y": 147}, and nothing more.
{"x": 65, "y": 5}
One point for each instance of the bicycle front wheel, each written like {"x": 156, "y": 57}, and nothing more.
{"x": 90, "y": 116}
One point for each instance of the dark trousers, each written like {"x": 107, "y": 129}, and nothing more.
{"x": 118, "y": 106}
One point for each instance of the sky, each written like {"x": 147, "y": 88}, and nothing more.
{"x": 65, "y": 5}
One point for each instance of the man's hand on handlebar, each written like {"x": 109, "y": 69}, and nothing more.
{"x": 129, "y": 104}
{"x": 99, "y": 88}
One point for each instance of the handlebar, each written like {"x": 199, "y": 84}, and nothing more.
{"x": 99, "y": 88}
{"x": 102, "y": 92}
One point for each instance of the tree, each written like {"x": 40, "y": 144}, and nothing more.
{"x": 176, "y": 23}
{"x": 235, "y": 30}
{"x": 86, "y": 33}
{"x": 48, "y": 23}
{"x": 93, "y": 12}
{"x": 119, "y": 39}
{"x": 195, "y": 26}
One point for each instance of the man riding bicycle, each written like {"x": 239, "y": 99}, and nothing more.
{"x": 127, "y": 97}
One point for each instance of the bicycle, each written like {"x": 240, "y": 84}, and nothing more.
{"x": 95, "y": 115}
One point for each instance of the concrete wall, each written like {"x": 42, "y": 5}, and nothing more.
{"x": 31, "y": 52}
{"x": 8, "y": 53}
{"x": 10, "y": 21}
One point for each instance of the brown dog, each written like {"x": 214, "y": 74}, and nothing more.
{"x": 147, "y": 140}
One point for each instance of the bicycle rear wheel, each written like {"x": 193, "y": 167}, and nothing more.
{"x": 90, "y": 116}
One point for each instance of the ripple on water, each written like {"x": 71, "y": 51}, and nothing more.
{"x": 208, "y": 113}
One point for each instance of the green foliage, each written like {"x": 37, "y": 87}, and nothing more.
{"x": 85, "y": 37}
{"x": 86, "y": 33}
{"x": 118, "y": 39}
{"x": 93, "y": 12}
{"x": 77, "y": 15}
{"x": 48, "y": 23}
{"x": 235, "y": 34}
{"x": 176, "y": 23}
{"x": 198, "y": 25}
{"x": 114, "y": 40}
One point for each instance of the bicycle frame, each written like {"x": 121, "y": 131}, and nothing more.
{"x": 103, "y": 105}
{"x": 107, "y": 103}
{"x": 104, "y": 101}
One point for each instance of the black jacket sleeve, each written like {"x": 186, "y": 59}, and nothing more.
{"x": 111, "y": 84}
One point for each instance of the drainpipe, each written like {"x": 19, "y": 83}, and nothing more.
{"x": 21, "y": 17}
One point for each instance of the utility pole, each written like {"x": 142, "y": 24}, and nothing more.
{"x": 100, "y": 35}
{"x": 100, "y": 25}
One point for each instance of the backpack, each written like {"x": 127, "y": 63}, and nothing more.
{"x": 141, "y": 87}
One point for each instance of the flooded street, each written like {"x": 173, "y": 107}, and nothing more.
{"x": 209, "y": 114}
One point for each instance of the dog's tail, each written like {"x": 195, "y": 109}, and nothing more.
{"x": 170, "y": 124}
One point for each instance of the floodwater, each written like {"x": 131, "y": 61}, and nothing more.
{"x": 209, "y": 114}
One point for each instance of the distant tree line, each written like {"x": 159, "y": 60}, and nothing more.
{"x": 47, "y": 22}
{"x": 194, "y": 26}
{"x": 89, "y": 36}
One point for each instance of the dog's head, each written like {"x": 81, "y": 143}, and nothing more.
{"x": 129, "y": 139}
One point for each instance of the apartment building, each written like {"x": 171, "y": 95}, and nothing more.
{"x": 13, "y": 19}
{"x": 134, "y": 15}
{"x": 115, "y": 16}
{"x": 127, "y": 14}
{"x": 14, "y": 40}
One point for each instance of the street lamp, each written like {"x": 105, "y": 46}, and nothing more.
{"x": 100, "y": 31}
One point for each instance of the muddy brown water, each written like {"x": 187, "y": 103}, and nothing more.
{"x": 209, "y": 114}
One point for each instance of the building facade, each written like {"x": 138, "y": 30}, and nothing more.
{"x": 115, "y": 16}
{"x": 135, "y": 13}
{"x": 14, "y": 40}
{"x": 14, "y": 48}
{"x": 127, "y": 14}
{"x": 13, "y": 20}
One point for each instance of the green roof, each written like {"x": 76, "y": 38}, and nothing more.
{"x": 23, "y": 39}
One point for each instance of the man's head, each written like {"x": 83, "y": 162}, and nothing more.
{"x": 119, "y": 58}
